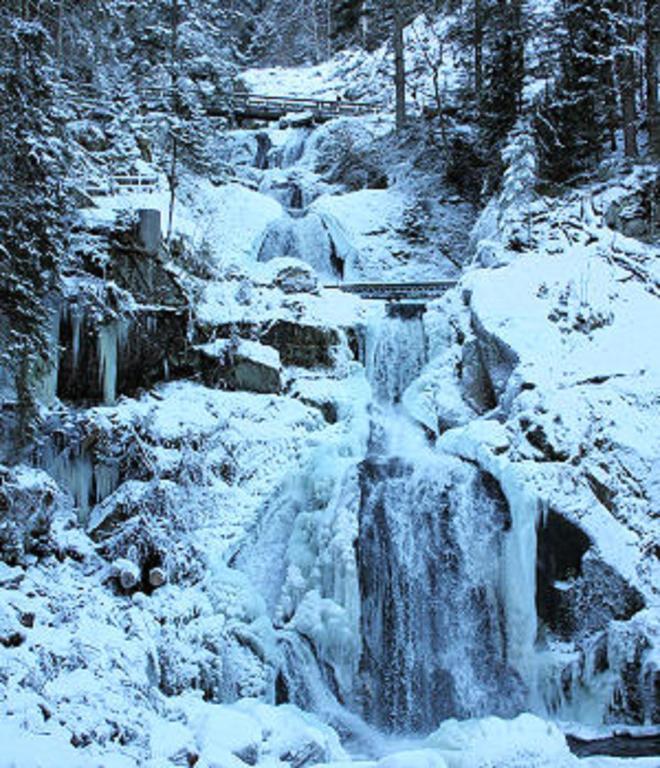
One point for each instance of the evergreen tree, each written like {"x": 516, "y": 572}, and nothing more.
{"x": 346, "y": 21}
{"x": 571, "y": 124}
{"x": 652, "y": 61}
{"x": 33, "y": 234}
{"x": 504, "y": 75}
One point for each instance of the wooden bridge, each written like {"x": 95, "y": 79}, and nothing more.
{"x": 237, "y": 105}
{"x": 397, "y": 292}
{"x": 250, "y": 106}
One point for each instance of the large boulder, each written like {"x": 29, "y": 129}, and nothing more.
{"x": 295, "y": 277}
{"x": 241, "y": 365}
{"x": 28, "y": 503}
{"x": 306, "y": 346}
{"x": 299, "y": 344}
{"x": 577, "y": 593}
{"x": 635, "y": 213}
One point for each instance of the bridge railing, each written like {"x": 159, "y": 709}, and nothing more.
{"x": 88, "y": 95}
{"x": 118, "y": 182}
{"x": 396, "y": 291}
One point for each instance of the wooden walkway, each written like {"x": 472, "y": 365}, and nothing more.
{"x": 251, "y": 106}
{"x": 397, "y": 291}
{"x": 237, "y": 106}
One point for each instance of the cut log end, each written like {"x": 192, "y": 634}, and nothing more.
{"x": 157, "y": 577}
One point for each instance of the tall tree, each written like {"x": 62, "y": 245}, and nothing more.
{"x": 345, "y": 21}
{"x": 571, "y": 124}
{"x": 33, "y": 209}
{"x": 627, "y": 28}
{"x": 505, "y": 70}
{"x": 652, "y": 30}
{"x": 478, "y": 48}
{"x": 398, "y": 26}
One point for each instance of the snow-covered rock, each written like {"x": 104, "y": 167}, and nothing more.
{"x": 526, "y": 742}
{"x": 29, "y": 502}
{"x": 244, "y": 366}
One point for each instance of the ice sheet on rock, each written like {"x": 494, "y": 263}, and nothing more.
{"x": 309, "y": 239}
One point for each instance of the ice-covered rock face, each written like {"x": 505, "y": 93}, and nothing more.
{"x": 308, "y": 238}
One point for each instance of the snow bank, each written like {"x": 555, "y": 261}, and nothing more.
{"x": 526, "y": 742}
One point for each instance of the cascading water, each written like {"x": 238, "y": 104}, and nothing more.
{"x": 430, "y": 556}
{"x": 306, "y": 236}
{"x": 396, "y": 351}
{"x": 433, "y": 627}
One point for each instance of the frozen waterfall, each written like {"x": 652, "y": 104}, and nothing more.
{"x": 431, "y": 557}
{"x": 433, "y": 626}
{"x": 396, "y": 351}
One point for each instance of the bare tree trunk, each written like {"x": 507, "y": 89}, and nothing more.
{"x": 173, "y": 182}
{"x": 400, "y": 68}
{"x": 478, "y": 52}
{"x": 328, "y": 29}
{"x": 626, "y": 67}
{"x": 172, "y": 176}
{"x": 60, "y": 24}
{"x": 612, "y": 111}
{"x": 652, "y": 19}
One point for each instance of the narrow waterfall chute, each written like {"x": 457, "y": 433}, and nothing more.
{"x": 304, "y": 237}
{"x": 518, "y": 573}
{"x": 396, "y": 351}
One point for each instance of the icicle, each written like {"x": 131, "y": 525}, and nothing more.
{"x": 47, "y": 386}
{"x": 301, "y": 681}
{"x": 76, "y": 326}
{"x": 111, "y": 343}
{"x": 107, "y": 343}
{"x": 575, "y": 685}
{"x": 106, "y": 481}
{"x": 518, "y": 573}
{"x": 77, "y": 474}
